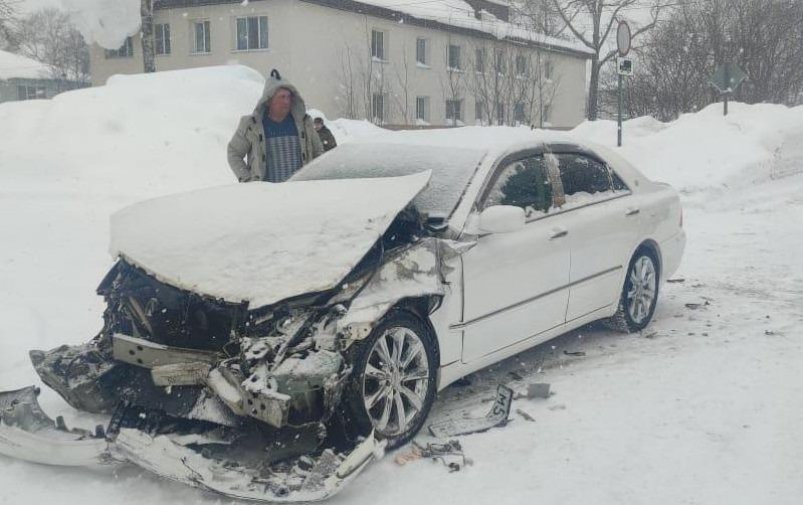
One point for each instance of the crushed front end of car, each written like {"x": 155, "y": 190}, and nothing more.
{"x": 241, "y": 401}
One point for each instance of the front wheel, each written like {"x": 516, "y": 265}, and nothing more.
{"x": 393, "y": 381}
{"x": 639, "y": 294}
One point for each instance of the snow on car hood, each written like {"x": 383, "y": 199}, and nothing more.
{"x": 261, "y": 242}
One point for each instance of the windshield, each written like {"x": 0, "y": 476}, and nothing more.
{"x": 452, "y": 169}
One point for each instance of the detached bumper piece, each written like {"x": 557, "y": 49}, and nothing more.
{"x": 27, "y": 433}
{"x": 207, "y": 456}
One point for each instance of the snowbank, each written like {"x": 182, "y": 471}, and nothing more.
{"x": 705, "y": 150}
{"x": 13, "y": 65}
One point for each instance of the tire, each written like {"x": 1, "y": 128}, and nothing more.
{"x": 639, "y": 294}
{"x": 394, "y": 371}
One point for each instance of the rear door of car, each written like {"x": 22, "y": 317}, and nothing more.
{"x": 515, "y": 283}
{"x": 602, "y": 225}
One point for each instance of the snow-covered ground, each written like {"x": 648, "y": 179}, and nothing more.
{"x": 704, "y": 407}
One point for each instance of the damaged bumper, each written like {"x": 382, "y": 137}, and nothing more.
{"x": 27, "y": 433}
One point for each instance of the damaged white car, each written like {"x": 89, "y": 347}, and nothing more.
{"x": 266, "y": 341}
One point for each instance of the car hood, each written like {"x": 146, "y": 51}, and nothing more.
{"x": 261, "y": 242}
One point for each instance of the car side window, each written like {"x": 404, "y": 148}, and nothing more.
{"x": 586, "y": 180}
{"x": 523, "y": 183}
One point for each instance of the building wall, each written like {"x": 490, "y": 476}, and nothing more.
{"x": 325, "y": 52}
{"x": 9, "y": 89}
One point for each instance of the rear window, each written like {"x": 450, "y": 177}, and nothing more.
{"x": 452, "y": 169}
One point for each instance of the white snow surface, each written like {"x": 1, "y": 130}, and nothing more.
{"x": 703, "y": 407}
{"x": 261, "y": 242}
{"x": 14, "y": 65}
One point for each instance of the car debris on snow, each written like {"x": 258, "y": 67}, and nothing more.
{"x": 497, "y": 416}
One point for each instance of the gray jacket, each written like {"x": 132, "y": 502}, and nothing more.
{"x": 249, "y": 140}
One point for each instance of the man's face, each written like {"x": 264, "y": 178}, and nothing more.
{"x": 281, "y": 103}
{"x": 317, "y": 125}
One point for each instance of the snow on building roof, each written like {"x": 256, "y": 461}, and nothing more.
{"x": 436, "y": 14}
{"x": 16, "y": 66}
{"x": 460, "y": 14}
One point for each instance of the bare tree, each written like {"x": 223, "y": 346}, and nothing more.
{"x": 763, "y": 37}
{"x": 603, "y": 16}
{"x": 49, "y": 36}
{"x": 401, "y": 95}
{"x": 7, "y": 16}
{"x": 539, "y": 16}
{"x": 349, "y": 88}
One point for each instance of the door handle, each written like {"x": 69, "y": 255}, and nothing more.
{"x": 558, "y": 233}
{"x": 632, "y": 211}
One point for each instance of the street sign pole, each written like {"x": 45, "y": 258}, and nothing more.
{"x": 619, "y": 123}
{"x": 727, "y": 91}
{"x": 623, "y": 40}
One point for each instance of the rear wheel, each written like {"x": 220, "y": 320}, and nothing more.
{"x": 639, "y": 294}
{"x": 393, "y": 382}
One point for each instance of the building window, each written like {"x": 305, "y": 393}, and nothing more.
{"x": 479, "y": 111}
{"x": 453, "y": 57}
{"x": 378, "y": 45}
{"x": 545, "y": 113}
{"x": 31, "y": 92}
{"x": 162, "y": 35}
{"x": 203, "y": 40}
{"x": 252, "y": 33}
{"x": 125, "y": 51}
{"x": 422, "y": 108}
{"x": 422, "y": 51}
{"x": 548, "y": 70}
{"x": 500, "y": 113}
{"x": 454, "y": 110}
{"x": 479, "y": 60}
{"x": 378, "y": 108}
{"x": 521, "y": 65}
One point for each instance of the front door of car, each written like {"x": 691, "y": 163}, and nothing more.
{"x": 515, "y": 284}
{"x": 603, "y": 226}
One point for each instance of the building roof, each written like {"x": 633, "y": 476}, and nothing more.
{"x": 16, "y": 66}
{"x": 456, "y": 16}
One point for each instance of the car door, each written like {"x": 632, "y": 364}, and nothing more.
{"x": 515, "y": 284}
{"x": 602, "y": 226}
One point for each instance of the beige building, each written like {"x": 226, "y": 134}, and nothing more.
{"x": 428, "y": 63}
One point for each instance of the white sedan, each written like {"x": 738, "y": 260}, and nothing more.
{"x": 336, "y": 305}
{"x": 549, "y": 235}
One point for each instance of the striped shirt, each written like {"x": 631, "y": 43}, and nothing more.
{"x": 282, "y": 148}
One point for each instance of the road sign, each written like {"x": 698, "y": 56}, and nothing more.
{"x": 623, "y": 38}
{"x": 726, "y": 78}
{"x": 624, "y": 66}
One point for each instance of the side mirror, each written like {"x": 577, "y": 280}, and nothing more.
{"x": 502, "y": 219}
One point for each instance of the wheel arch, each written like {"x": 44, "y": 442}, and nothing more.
{"x": 654, "y": 249}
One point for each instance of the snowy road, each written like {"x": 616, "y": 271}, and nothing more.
{"x": 704, "y": 407}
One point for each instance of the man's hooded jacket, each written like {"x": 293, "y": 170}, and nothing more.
{"x": 249, "y": 140}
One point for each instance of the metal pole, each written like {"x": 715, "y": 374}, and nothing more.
{"x": 619, "y": 121}
{"x": 727, "y": 86}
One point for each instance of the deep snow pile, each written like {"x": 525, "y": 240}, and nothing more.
{"x": 706, "y": 150}
{"x": 703, "y": 407}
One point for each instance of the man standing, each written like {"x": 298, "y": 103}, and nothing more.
{"x": 277, "y": 139}
{"x": 327, "y": 139}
